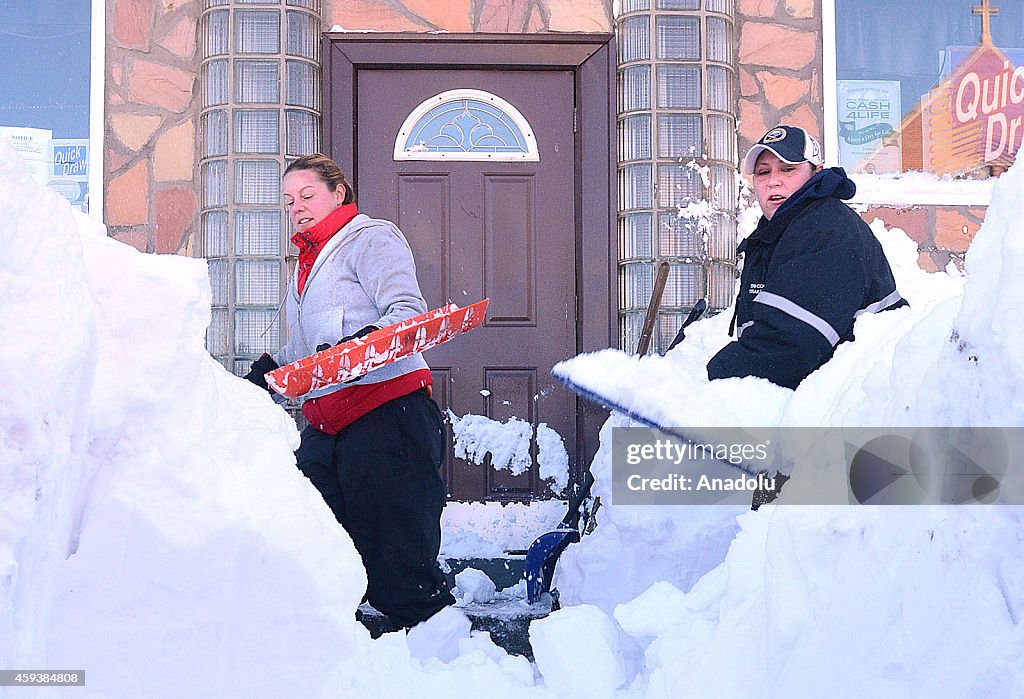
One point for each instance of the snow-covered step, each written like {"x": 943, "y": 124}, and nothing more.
{"x": 492, "y": 593}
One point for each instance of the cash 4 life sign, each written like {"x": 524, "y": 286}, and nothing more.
{"x": 869, "y": 112}
{"x": 976, "y": 118}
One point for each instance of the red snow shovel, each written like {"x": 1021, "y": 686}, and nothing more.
{"x": 543, "y": 553}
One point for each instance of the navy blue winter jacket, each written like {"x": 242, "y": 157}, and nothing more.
{"x": 807, "y": 274}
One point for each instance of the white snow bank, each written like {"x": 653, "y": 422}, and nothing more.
{"x": 155, "y": 532}
{"x": 577, "y": 651}
{"x": 835, "y": 601}
{"x": 151, "y": 499}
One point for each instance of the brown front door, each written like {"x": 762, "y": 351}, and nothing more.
{"x": 533, "y": 236}
{"x": 503, "y": 230}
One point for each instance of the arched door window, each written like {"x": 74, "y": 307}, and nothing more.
{"x": 466, "y": 125}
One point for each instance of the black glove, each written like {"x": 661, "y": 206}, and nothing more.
{"x": 362, "y": 332}
{"x": 260, "y": 367}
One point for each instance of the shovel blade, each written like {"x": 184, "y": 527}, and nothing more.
{"x": 541, "y": 558}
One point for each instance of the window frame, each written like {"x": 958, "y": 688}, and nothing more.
{"x": 97, "y": 72}
{"x": 939, "y": 192}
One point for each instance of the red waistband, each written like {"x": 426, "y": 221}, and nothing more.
{"x": 336, "y": 411}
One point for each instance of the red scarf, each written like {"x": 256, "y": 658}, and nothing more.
{"x": 312, "y": 240}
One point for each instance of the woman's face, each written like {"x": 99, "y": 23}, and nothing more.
{"x": 308, "y": 200}
{"x": 775, "y": 180}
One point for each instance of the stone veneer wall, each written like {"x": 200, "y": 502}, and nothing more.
{"x": 498, "y": 16}
{"x": 942, "y": 233}
{"x": 150, "y": 153}
{"x": 780, "y": 61}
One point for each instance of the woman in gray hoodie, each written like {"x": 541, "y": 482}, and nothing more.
{"x": 373, "y": 447}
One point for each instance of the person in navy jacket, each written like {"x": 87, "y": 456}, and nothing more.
{"x": 809, "y": 268}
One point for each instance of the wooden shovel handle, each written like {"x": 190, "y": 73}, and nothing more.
{"x": 652, "y": 309}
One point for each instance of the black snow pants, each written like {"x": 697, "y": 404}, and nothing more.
{"x": 380, "y": 476}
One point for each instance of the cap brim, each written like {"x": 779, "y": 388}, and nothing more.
{"x": 750, "y": 160}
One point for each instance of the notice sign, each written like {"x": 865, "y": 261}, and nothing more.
{"x": 869, "y": 116}
{"x": 34, "y": 147}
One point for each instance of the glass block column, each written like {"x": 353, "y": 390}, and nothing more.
{"x": 260, "y": 78}
{"x": 677, "y": 104}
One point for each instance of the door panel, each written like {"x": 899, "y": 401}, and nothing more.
{"x": 506, "y": 230}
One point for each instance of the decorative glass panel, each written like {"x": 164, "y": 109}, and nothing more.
{"x": 217, "y": 333}
{"x": 257, "y": 282}
{"x": 684, "y": 285}
{"x": 678, "y": 236}
{"x": 303, "y": 80}
{"x": 258, "y": 233}
{"x": 719, "y": 40}
{"x": 678, "y": 185}
{"x": 724, "y": 194}
{"x": 257, "y": 81}
{"x": 668, "y": 326}
{"x": 635, "y": 39}
{"x": 257, "y": 131}
{"x": 678, "y": 4}
{"x": 635, "y": 236}
{"x": 635, "y": 5}
{"x": 256, "y": 331}
{"x": 257, "y": 182}
{"x": 722, "y": 285}
{"x": 632, "y": 326}
{"x": 465, "y": 125}
{"x": 678, "y": 37}
{"x": 723, "y": 237}
{"x": 723, "y": 6}
{"x": 215, "y": 83}
{"x": 635, "y": 88}
{"x": 636, "y": 187}
{"x": 636, "y": 285}
{"x": 218, "y": 282}
{"x": 635, "y": 137}
{"x": 303, "y": 133}
{"x": 216, "y": 35}
{"x": 302, "y": 37}
{"x": 215, "y": 234}
{"x": 215, "y": 133}
{"x": 720, "y": 89}
{"x": 679, "y": 136}
{"x": 722, "y": 138}
{"x": 679, "y": 86}
{"x": 215, "y": 183}
{"x": 257, "y": 31}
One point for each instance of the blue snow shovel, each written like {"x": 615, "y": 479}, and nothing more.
{"x": 543, "y": 553}
{"x": 545, "y": 550}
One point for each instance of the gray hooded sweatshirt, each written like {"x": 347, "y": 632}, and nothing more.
{"x": 364, "y": 275}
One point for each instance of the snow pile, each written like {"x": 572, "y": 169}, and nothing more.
{"x": 837, "y": 601}
{"x": 473, "y": 586}
{"x": 845, "y": 602}
{"x": 155, "y": 532}
{"x": 577, "y": 651}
